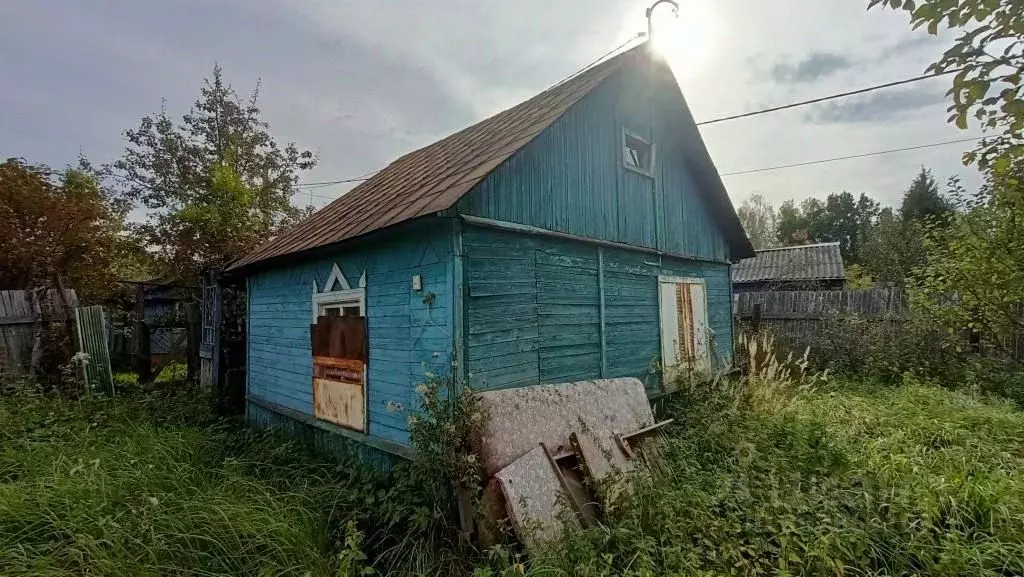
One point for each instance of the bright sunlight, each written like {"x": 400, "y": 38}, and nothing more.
{"x": 686, "y": 39}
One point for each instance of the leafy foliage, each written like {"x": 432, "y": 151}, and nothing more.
{"x": 893, "y": 248}
{"x": 216, "y": 185}
{"x": 973, "y": 277}
{"x": 988, "y": 57}
{"x": 840, "y": 218}
{"x": 760, "y": 221}
{"x": 62, "y": 225}
{"x": 922, "y": 201}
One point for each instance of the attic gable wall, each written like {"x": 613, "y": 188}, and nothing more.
{"x": 571, "y": 178}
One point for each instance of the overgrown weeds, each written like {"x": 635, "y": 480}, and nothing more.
{"x": 780, "y": 473}
{"x": 888, "y": 349}
{"x": 838, "y": 478}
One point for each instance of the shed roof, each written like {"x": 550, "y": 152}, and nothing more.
{"x": 435, "y": 177}
{"x": 809, "y": 262}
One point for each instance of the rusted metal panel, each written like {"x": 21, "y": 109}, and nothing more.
{"x": 435, "y": 177}
{"x": 339, "y": 370}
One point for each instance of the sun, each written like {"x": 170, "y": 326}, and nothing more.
{"x": 687, "y": 39}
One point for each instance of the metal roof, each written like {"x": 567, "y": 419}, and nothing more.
{"x": 809, "y": 262}
{"x": 434, "y": 178}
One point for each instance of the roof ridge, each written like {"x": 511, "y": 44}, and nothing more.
{"x": 433, "y": 177}
{"x": 796, "y": 246}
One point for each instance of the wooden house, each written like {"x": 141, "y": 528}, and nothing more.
{"x": 584, "y": 233}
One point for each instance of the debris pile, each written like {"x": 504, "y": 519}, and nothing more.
{"x": 543, "y": 447}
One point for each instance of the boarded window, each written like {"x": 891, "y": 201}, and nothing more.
{"x": 339, "y": 369}
{"x": 684, "y": 327}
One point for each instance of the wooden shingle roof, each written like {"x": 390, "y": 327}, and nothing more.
{"x": 435, "y": 177}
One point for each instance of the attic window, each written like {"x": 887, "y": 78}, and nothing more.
{"x": 637, "y": 154}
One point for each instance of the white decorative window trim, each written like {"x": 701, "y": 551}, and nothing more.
{"x": 336, "y": 276}
{"x": 342, "y": 298}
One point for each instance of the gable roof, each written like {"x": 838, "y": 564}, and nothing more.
{"x": 809, "y": 262}
{"x": 435, "y": 177}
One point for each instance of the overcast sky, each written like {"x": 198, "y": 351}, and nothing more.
{"x": 363, "y": 82}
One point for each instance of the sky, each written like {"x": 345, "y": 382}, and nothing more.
{"x": 360, "y": 83}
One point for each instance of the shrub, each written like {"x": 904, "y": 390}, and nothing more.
{"x": 887, "y": 349}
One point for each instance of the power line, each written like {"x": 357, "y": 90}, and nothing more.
{"x": 852, "y": 156}
{"x": 826, "y": 98}
{"x": 597, "y": 60}
{"x": 369, "y": 175}
{"x": 320, "y": 184}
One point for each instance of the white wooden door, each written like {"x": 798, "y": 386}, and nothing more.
{"x": 684, "y": 327}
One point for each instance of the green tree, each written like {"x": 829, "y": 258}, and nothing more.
{"x": 893, "y": 248}
{"x": 973, "y": 276}
{"x": 922, "y": 200}
{"x": 760, "y": 221}
{"x": 840, "y": 218}
{"x": 216, "y": 185}
{"x": 988, "y": 56}
{"x": 59, "y": 229}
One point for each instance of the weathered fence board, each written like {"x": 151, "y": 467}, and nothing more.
{"x": 799, "y": 316}
{"x": 92, "y": 340}
{"x": 19, "y": 312}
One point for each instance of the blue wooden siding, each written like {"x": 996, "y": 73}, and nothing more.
{"x": 571, "y": 177}
{"x": 533, "y": 312}
{"x": 407, "y": 336}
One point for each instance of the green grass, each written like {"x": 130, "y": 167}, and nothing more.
{"x": 131, "y": 487}
{"x": 848, "y": 479}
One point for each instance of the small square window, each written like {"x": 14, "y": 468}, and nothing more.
{"x": 637, "y": 154}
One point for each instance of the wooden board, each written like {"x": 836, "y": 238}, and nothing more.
{"x": 533, "y": 499}
{"x": 339, "y": 371}
{"x": 518, "y": 419}
{"x": 340, "y": 403}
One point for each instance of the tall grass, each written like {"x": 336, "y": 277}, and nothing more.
{"x": 841, "y": 479}
{"x": 774, "y": 474}
{"x": 131, "y": 487}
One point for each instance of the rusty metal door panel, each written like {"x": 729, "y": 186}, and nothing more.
{"x": 339, "y": 370}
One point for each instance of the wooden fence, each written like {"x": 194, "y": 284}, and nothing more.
{"x": 19, "y": 312}
{"x": 799, "y": 316}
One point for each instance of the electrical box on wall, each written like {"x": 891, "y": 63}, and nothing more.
{"x": 417, "y": 282}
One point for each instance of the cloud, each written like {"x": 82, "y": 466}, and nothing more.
{"x": 876, "y": 107}
{"x": 815, "y": 66}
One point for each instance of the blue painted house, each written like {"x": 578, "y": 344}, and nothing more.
{"x": 584, "y": 233}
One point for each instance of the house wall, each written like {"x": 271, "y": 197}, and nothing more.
{"x": 533, "y": 309}
{"x": 571, "y": 177}
{"x": 407, "y": 336}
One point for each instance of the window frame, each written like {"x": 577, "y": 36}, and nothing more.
{"x": 626, "y": 136}
{"x": 341, "y": 299}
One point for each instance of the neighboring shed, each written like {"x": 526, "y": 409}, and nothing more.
{"x": 804, "y": 267}
{"x": 584, "y": 233}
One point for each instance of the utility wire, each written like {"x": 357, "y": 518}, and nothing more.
{"x": 367, "y": 176}
{"x": 831, "y": 97}
{"x": 852, "y": 156}
{"x": 595, "y": 62}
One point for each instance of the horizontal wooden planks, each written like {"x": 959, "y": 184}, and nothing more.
{"x": 554, "y": 310}
{"x": 409, "y": 332}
